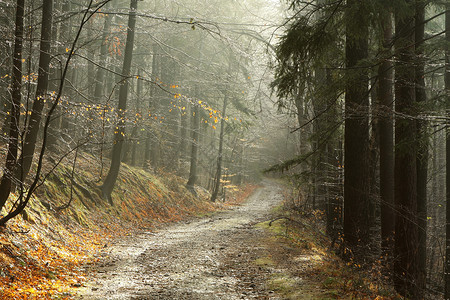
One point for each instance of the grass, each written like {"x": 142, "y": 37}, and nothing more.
{"x": 305, "y": 268}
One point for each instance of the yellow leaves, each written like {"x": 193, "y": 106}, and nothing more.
{"x": 67, "y": 50}
{"x": 30, "y": 290}
{"x": 213, "y": 127}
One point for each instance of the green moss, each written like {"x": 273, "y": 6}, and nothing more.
{"x": 276, "y": 227}
{"x": 264, "y": 262}
{"x": 294, "y": 288}
{"x": 282, "y": 283}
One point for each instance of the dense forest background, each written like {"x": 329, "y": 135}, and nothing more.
{"x": 349, "y": 100}
{"x": 148, "y": 86}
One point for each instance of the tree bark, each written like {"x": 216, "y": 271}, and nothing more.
{"x": 447, "y": 156}
{"x": 422, "y": 152}
{"x": 386, "y": 125}
{"x": 220, "y": 154}
{"x": 119, "y": 132}
{"x": 357, "y": 212}
{"x": 33, "y": 127}
{"x": 183, "y": 132}
{"x": 194, "y": 148}
{"x": 405, "y": 191}
{"x": 100, "y": 75}
{"x": 14, "y": 118}
{"x": 136, "y": 130}
{"x": 150, "y": 140}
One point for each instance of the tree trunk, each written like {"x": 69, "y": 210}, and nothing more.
{"x": 220, "y": 154}
{"x": 100, "y": 75}
{"x": 356, "y": 148}
{"x": 183, "y": 132}
{"x": 59, "y": 127}
{"x": 405, "y": 189}
{"x": 31, "y": 133}
{"x": 138, "y": 117}
{"x": 16, "y": 82}
{"x": 386, "y": 101}
{"x": 119, "y": 132}
{"x": 194, "y": 148}
{"x": 5, "y": 58}
{"x": 447, "y": 156}
{"x": 422, "y": 152}
{"x": 151, "y": 136}
{"x": 155, "y": 149}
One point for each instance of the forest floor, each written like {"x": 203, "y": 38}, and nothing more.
{"x": 160, "y": 242}
{"x": 226, "y": 255}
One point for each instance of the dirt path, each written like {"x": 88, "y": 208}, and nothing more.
{"x": 209, "y": 258}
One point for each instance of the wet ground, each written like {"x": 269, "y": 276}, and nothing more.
{"x": 209, "y": 258}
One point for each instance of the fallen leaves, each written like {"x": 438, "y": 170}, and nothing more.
{"x": 44, "y": 258}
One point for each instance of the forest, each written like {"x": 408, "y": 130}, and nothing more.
{"x": 234, "y": 149}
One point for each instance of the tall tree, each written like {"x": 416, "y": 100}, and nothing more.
{"x": 356, "y": 141}
{"x": 119, "y": 131}
{"x": 151, "y": 152}
{"x": 41, "y": 96}
{"x": 100, "y": 74}
{"x": 195, "y": 127}
{"x": 16, "y": 83}
{"x": 405, "y": 190}
{"x": 220, "y": 153}
{"x": 422, "y": 141}
{"x": 386, "y": 101}
{"x": 447, "y": 95}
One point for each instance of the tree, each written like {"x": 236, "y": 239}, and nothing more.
{"x": 119, "y": 131}
{"x": 422, "y": 141}
{"x": 218, "y": 175}
{"x": 41, "y": 96}
{"x": 195, "y": 127}
{"x": 447, "y": 99}
{"x": 16, "y": 83}
{"x": 357, "y": 206}
{"x": 100, "y": 74}
{"x": 24, "y": 198}
{"x": 406, "y": 273}
{"x": 386, "y": 102}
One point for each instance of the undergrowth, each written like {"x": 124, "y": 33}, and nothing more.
{"x": 42, "y": 252}
{"x": 307, "y": 265}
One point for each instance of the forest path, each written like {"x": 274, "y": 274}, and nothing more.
{"x": 209, "y": 258}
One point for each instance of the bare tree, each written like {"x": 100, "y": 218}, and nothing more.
{"x": 119, "y": 130}
{"x": 14, "y": 118}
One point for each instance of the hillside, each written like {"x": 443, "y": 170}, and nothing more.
{"x": 42, "y": 252}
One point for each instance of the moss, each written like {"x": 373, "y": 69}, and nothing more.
{"x": 264, "y": 262}
{"x": 276, "y": 227}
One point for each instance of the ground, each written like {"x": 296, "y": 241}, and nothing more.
{"x": 227, "y": 255}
